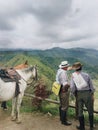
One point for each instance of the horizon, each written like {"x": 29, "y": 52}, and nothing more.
{"x": 29, "y": 49}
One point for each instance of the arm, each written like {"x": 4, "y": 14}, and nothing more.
{"x": 64, "y": 81}
{"x": 91, "y": 85}
{"x": 73, "y": 87}
{"x": 63, "y": 78}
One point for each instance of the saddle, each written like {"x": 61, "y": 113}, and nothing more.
{"x": 9, "y": 75}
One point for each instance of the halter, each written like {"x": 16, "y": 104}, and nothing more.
{"x": 35, "y": 78}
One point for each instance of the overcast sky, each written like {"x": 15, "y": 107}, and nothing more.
{"x": 44, "y": 24}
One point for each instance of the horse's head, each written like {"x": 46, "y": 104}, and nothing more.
{"x": 34, "y": 72}
{"x": 28, "y": 73}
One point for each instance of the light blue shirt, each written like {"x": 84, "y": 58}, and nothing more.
{"x": 61, "y": 77}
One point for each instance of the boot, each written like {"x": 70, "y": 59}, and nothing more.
{"x": 78, "y": 127}
{"x": 64, "y": 119}
{"x": 60, "y": 113}
{"x": 4, "y": 105}
{"x": 91, "y": 118}
{"x": 81, "y": 121}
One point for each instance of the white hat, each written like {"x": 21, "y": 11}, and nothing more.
{"x": 64, "y": 64}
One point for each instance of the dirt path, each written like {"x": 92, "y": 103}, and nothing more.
{"x": 34, "y": 121}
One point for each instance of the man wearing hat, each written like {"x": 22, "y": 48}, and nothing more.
{"x": 61, "y": 78}
{"x": 82, "y": 87}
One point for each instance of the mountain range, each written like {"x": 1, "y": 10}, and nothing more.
{"x": 49, "y": 60}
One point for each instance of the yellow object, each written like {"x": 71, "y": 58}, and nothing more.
{"x": 56, "y": 88}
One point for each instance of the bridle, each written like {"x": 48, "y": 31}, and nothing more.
{"x": 35, "y": 78}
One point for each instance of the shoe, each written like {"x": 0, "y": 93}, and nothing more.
{"x": 91, "y": 128}
{"x": 5, "y": 109}
{"x": 78, "y": 127}
{"x": 66, "y": 123}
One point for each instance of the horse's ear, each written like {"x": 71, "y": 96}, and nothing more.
{"x": 26, "y": 62}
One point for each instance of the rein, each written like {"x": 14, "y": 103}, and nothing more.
{"x": 25, "y": 80}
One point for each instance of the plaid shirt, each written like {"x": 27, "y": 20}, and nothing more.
{"x": 87, "y": 78}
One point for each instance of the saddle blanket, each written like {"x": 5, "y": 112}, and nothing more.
{"x": 9, "y": 75}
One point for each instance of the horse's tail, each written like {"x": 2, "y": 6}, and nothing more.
{"x": 17, "y": 90}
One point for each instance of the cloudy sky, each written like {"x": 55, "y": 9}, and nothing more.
{"x": 44, "y": 24}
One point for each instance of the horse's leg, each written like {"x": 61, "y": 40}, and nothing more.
{"x": 13, "y": 116}
{"x": 19, "y": 100}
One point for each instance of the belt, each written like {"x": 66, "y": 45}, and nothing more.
{"x": 83, "y": 91}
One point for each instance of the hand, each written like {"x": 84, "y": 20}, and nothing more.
{"x": 66, "y": 87}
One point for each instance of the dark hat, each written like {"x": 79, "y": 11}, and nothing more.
{"x": 77, "y": 65}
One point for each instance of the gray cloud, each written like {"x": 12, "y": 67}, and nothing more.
{"x": 5, "y": 43}
{"x": 43, "y": 24}
{"x": 51, "y": 10}
{"x": 5, "y": 25}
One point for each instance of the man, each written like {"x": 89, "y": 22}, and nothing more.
{"x": 61, "y": 78}
{"x": 82, "y": 88}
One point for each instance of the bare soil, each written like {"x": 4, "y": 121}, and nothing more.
{"x": 34, "y": 121}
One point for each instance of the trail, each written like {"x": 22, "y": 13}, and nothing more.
{"x": 34, "y": 121}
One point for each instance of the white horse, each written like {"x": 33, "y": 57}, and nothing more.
{"x": 7, "y": 90}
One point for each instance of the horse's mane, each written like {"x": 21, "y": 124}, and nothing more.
{"x": 29, "y": 68}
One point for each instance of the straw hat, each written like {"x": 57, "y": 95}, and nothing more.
{"x": 64, "y": 64}
{"x": 77, "y": 65}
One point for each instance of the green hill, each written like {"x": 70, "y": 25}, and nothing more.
{"x": 48, "y": 60}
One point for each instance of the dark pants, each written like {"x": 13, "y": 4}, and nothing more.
{"x": 64, "y": 103}
{"x": 85, "y": 98}
{"x": 64, "y": 100}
